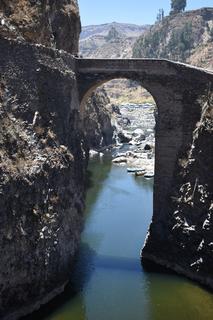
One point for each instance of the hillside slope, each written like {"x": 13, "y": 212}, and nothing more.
{"x": 185, "y": 37}
{"x": 111, "y": 40}
{"x": 127, "y": 29}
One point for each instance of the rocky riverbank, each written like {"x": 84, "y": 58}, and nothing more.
{"x": 133, "y": 136}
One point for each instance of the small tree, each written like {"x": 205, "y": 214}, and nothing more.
{"x": 211, "y": 33}
{"x": 177, "y": 6}
{"x": 160, "y": 15}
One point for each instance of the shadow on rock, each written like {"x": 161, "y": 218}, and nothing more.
{"x": 152, "y": 267}
{"x": 80, "y": 275}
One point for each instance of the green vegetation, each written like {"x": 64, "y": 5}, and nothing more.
{"x": 211, "y": 33}
{"x": 178, "y": 46}
{"x": 181, "y": 42}
{"x": 177, "y": 6}
{"x": 160, "y": 15}
{"x": 113, "y": 34}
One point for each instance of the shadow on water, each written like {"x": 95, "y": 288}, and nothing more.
{"x": 118, "y": 263}
{"x": 150, "y": 267}
{"x": 173, "y": 296}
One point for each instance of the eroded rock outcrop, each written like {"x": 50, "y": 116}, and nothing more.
{"x": 96, "y": 115}
{"x": 42, "y": 154}
{"x": 52, "y": 23}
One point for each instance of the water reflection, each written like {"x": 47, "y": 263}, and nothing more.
{"x": 95, "y": 179}
{"x": 177, "y": 298}
{"x": 143, "y": 182}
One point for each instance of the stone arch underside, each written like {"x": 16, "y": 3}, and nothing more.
{"x": 180, "y": 92}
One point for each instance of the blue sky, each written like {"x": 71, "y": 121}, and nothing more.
{"x": 130, "y": 11}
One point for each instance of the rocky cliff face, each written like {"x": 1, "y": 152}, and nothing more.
{"x": 42, "y": 156}
{"x": 96, "y": 116}
{"x": 110, "y": 40}
{"x": 52, "y": 23}
{"x": 185, "y": 37}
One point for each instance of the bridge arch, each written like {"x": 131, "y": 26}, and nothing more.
{"x": 178, "y": 91}
{"x": 113, "y": 91}
{"x": 85, "y": 96}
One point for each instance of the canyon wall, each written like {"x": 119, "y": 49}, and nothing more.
{"x": 42, "y": 152}
{"x": 53, "y": 23}
{"x": 96, "y": 116}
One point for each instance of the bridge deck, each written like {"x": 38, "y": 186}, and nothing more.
{"x": 133, "y": 65}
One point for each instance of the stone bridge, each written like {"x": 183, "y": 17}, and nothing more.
{"x": 180, "y": 92}
{"x": 42, "y": 167}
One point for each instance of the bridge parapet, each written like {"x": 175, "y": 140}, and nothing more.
{"x": 152, "y": 66}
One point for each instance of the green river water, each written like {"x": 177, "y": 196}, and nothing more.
{"x": 109, "y": 282}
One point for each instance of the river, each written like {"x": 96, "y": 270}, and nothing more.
{"x": 109, "y": 282}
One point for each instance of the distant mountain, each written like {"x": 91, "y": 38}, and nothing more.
{"x": 127, "y": 29}
{"x": 185, "y": 37}
{"x": 110, "y": 40}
